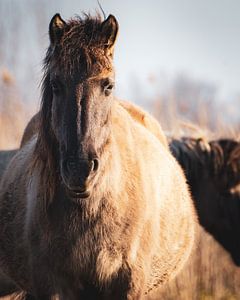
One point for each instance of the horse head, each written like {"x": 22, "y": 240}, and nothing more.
{"x": 77, "y": 98}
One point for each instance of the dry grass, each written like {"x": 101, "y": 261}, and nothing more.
{"x": 13, "y": 113}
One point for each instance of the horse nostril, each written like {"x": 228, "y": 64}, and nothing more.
{"x": 95, "y": 164}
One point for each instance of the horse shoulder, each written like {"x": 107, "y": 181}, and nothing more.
{"x": 146, "y": 120}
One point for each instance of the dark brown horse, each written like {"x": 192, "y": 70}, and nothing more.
{"x": 213, "y": 172}
{"x": 93, "y": 206}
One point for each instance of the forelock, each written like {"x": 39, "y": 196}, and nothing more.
{"x": 80, "y": 49}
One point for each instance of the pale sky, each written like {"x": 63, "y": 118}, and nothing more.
{"x": 199, "y": 38}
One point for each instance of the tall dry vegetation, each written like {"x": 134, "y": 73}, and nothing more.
{"x": 19, "y": 44}
{"x": 13, "y": 113}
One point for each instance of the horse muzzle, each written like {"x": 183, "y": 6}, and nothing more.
{"x": 77, "y": 174}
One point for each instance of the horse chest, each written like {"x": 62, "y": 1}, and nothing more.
{"x": 86, "y": 252}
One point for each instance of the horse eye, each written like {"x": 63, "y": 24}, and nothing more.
{"x": 55, "y": 86}
{"x": 107, "y": 87}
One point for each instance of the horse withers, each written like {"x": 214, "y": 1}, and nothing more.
{"x": 93, "y": 206}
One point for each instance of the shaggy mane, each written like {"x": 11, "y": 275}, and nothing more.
{"x": 221, "y": 158}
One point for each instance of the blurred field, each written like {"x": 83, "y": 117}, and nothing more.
{"x": 210, "y": 273}
{"x": 13, "y": 113}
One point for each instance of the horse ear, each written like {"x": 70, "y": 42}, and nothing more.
{"x": 109, "y": 33}
{"x": 56, "y": 28}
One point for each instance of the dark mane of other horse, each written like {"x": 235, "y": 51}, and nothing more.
{"x": 77, "y": 49}
{"x": 220, "y": 158}
{"x": 212, "y": 169}
{"x": 226, "y": 159}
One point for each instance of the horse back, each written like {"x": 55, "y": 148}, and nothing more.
{"x": 145, "y": 119}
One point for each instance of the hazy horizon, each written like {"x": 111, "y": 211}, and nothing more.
{"x": 157, "y": 39}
